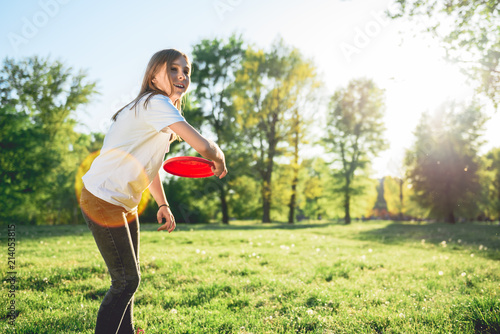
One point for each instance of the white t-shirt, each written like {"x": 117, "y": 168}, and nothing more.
{"x": 132, "y": 152}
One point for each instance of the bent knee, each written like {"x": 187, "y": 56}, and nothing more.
{"x": 128, "y": 284}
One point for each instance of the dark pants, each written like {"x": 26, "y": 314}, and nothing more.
{"x": 116, "y": 234}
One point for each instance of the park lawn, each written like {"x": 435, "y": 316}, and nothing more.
{"x": 315, "y": 277}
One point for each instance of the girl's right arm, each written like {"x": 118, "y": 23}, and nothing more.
{"x": 205, "y": 147}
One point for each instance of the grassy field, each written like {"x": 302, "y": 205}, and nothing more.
{"x": 317, "y": 277}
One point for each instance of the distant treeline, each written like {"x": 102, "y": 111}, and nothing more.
{"x": 293, "y": 151}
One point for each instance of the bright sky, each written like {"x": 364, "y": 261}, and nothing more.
{"x": 113, "y": 41}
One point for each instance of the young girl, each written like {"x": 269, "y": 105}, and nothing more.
{"x": 128, "y": 163}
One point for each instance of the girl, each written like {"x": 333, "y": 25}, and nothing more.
{"x": 128, "y": 163}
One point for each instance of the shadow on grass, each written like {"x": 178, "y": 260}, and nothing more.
{"x": 479, "y": 236}
{"x": 247, "y": 226}
{"x": 46, "y": 231}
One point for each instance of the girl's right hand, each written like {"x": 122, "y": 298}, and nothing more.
{"x": 219, "y": 169}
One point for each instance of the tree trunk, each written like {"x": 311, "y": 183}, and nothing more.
{"x": 295, "y": 180}
{"x": 266, "y": 202}
{"x": 401, "y": 199}
{"x": 451, "y": 218}
{"x": 291, "y": 213}
{"x": 266, "y": 186}
{"x": 347, "y": 200}
{"x": 224, "y": 207}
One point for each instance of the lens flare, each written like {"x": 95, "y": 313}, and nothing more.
{"x": 85, "y": 166}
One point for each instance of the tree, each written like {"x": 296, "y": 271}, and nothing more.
{"x": 492, "y": 183}
{"x": 354, "y": 133}
{"x": 215, "y": 63}
{"x": 40, "y": 150}
{"x": 470, "y": 31}
{"x": 443, "y": 162}
{"x": 266, "y": 97}
{"x": 303, "y": 90}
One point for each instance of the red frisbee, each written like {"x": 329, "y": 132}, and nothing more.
{"x": 193, "y": 167}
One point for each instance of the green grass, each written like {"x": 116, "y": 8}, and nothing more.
{"x": 320, "y": 277}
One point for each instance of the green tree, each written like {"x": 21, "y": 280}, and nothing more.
{"x": 40, "y": 150}
{"x": 443, "y": 163}
{"x": 305, "y": 85}
{"x": 354, "y": 134}
{"x": 215, "y": 63}
{"x": 491, "y": 183}
{"x": 470, "y": 31}
{"x": 265, "y": 99}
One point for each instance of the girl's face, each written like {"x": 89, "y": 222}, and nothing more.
{"x": 178, "y": 72}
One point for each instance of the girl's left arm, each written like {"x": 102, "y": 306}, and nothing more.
{"x": 156, "y": 189}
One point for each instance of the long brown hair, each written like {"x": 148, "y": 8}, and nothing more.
{"x": 160, "y": 58}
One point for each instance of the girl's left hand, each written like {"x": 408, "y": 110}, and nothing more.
{"x": 165, "y": 217}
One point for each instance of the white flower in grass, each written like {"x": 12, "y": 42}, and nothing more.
{"x": 472, "y": 255}
{"x": 440, "y": 273}
{"x": 370, "y": 250}
{"x": 422, "y": 241}
{"x": 310, "y": 312}
{"x": 464, "y": 274}
{"x": 401, "y": 315}
{"x": 363, "y": 257}
{"x": 317, "y": 249}
{"x": 459, "y": 241}
{"x": 203, "y": 253}
{"x": 443, "y": 243}
{"x": 481, "y": 247}
{"x": 197, "y": 251}
{"x": 173, "y": 311}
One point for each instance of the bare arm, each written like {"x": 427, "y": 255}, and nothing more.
{"x": 156, "y": 189}
{"x": 205, "y": 147}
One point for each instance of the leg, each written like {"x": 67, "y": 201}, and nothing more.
{"x": 112, "y": 235}
{"x": 127, "y": 324}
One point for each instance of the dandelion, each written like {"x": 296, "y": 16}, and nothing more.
{"x": 310, "y": 312}
{"x": 317, "y": 249}
{"x": 440, "y": 273}
{"x": 443, "y": 243}
{"x": 481, "y": 247}
{"x": 293, "y": 245}
{"x": 173, "y": 311}
{"x": 198, "y": 251}
{"x": 370, "y": 250}
{"x": 472, "y": 255}
{"x": 203, "y": 253}
{"x": 463, "y": 274}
